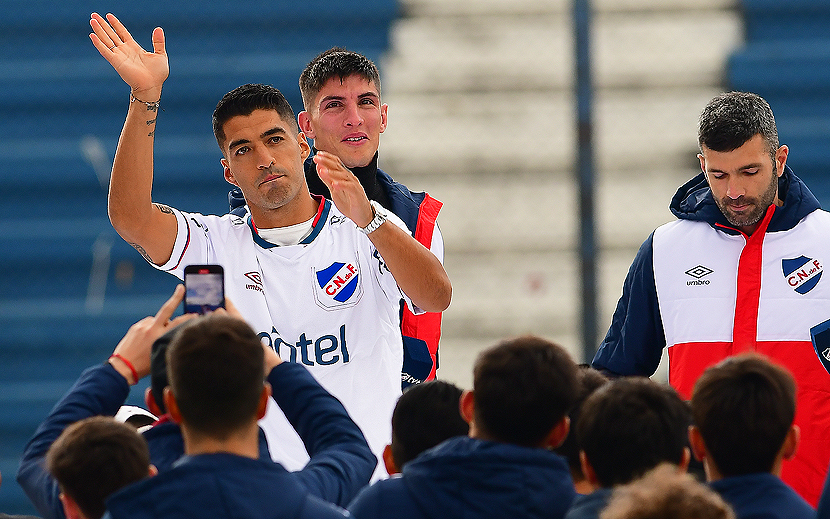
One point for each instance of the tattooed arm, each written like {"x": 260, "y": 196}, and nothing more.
{"x": 150, "y": 228}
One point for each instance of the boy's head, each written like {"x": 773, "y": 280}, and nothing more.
{"x": 522, "y": 391}
{"x": 216, "y": 369}
{"x": 93, "y": 458}
{"x": 589, "y": 380}
{"x": 629, "y": 426}
{"x": 743, "y": 410}
{"x": 426, "y": 414}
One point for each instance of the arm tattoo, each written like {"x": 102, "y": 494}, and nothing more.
{"x": 164, "y": 208}
{"x": 141, "y": 251}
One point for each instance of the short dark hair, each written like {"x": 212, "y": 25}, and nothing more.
{"x": 93, "y": 458}
{"x": 523, "y": 387}
{"x": 733, "y": 118}
{"x": 589, "y": 380}
{"x": 158, "y": 367}
{"x": 630, "y": 426}
{"x": 216, "y": 367}
{"x": 243, "y": 100}
{"x": 744, "y": 407}
{"x": 335, "y": 62}
{"x": 425, "y": 415}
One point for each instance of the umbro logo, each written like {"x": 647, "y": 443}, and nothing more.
{"x": 256, "y": 278}
{"x": 698, "y": 273}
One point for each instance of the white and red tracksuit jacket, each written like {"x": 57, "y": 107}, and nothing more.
{"x": 707, "y": 291}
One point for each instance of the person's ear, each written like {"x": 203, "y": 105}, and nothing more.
{"x": 558, "y": 433}
{"x": 703, "y": 165}
{"x": 304, "y": 122}
{"x": 262, "y": 407}
{"x": 383, "y": 117}
{"x": 70, "y": 507}
{"x": 466, "y": 406}
{"x": 172, "y": 406}
{"x": 791, "y": 442}
{"x": 588, "y": 470}
{"x": 305, "y": 148}
{"x": 226, "y": 170}
{"x": 152, "y": 470}
{"x": 389, "y": 461}
{"x": 696, "y": 443}
{"x": 150, "y": 402}
{"x": 781, "y": 159}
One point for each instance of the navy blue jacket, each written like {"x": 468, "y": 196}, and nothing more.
{"x": 470, "y": 478}
{"x": 589, "y": 506}
{"x": 823, "y": 510}
{"x": 341, "y": 461}
{"x": 762, "y": 496}
{"x": 635, "y": 339}
{"x": 220, "y": 486}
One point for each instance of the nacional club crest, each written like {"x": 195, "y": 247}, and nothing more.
{"x": 802, "y": 273}
{"x": 337, "y": 285}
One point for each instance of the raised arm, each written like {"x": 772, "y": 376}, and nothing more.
{"x": 150, "y": 228}
{"x": 417, "y": 271}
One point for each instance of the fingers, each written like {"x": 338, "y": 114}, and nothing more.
{"x": 158, "y": 40}
{"x": 103, "y": 31}
{"x": 169, "y": 307}
{"x": 118, "y": 28}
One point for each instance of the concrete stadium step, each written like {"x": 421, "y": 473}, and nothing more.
{"x": 490, "y": 133}
{"x": 490, "y": 52}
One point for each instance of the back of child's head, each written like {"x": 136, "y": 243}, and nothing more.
{"x": 426, "y": 414}
{"x": 629, "y": 426}
{"x": 523, "y": 388}
{"x": 744, "y": 408}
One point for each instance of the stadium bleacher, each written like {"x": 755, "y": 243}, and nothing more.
{"x": 69, "y": 285}
{"x": 786, "y": 59}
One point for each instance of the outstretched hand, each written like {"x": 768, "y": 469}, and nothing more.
{"x": 136, "y": 346}
{"x": 346, "y": 192}
{"x": 143, "y": 71}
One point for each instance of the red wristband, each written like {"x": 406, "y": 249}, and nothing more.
{"x": 129, "y": 365}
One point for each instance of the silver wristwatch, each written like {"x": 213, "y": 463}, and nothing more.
{"x": 380, "y": 216}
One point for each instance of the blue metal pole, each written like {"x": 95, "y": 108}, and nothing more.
{"x": 585, "y": 176}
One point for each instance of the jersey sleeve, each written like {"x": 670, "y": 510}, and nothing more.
{"x": 193, "y": 245}
{"x": 635, "y": 339}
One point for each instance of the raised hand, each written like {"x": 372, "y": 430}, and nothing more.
{"x": 143, "y": 71}
{"x": 346, "y": 192}
{"x": 134, "y": 349}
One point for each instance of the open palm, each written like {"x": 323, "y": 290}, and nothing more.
{"x": 138, "y": 68}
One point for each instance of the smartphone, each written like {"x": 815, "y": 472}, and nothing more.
{"x": 204, "y": 288}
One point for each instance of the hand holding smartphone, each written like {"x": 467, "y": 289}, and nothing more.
{"x": 204, "y": 288}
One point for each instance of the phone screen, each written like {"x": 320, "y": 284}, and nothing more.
{"x": 204, "y": 288}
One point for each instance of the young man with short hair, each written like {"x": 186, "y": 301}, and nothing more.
{"x": 319, "y": 280}
{"x": 743, "y": 410}
{"x": 344, "y": 115}
{"x": 740, "y": 270}
{"x": 217, "y": 393}
{"x": 626, "y": 428}
{"x": 517, "y": 411}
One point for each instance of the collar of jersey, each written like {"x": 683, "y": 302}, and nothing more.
{"x": 316, "y": 226}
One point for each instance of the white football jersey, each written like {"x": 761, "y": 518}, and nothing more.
{"x": 329, "y": 303}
